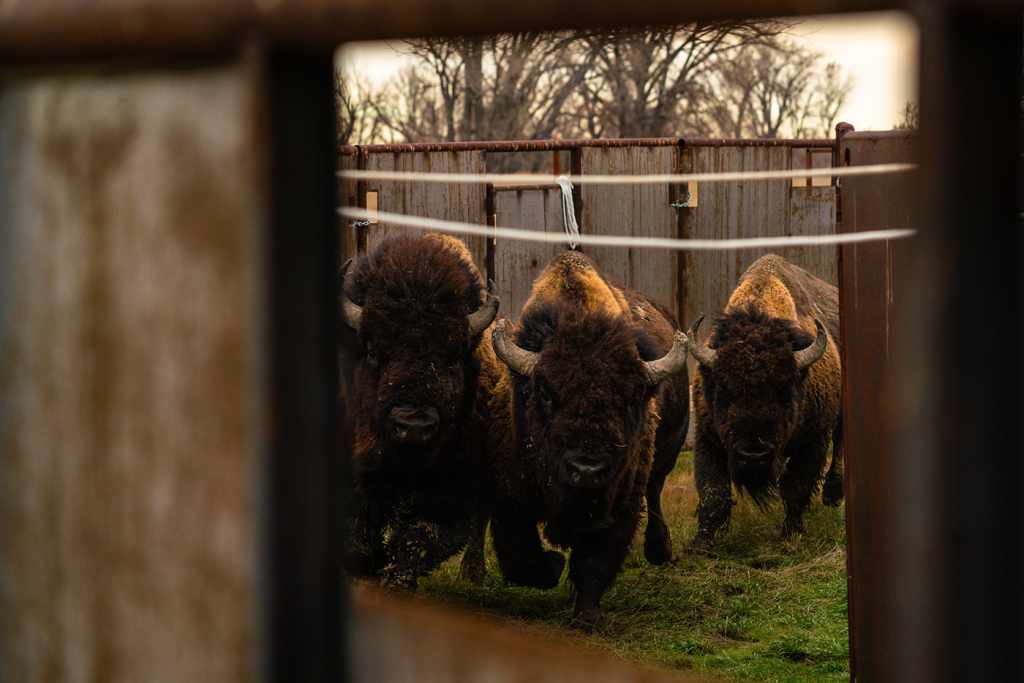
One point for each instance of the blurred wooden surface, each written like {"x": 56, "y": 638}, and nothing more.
{"x": 404, "y": 641}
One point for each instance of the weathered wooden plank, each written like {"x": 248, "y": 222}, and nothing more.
{"x": 517, "y": 264}
{"x": 465, "y": 202}
{"x": 128, "y": 380}
{"x": 347, "y": 196}
{"x": 731, "y": 210}
{"x": 637, "y": 210}
{"x": 812, "y": 211}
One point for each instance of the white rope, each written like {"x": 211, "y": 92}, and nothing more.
{"x": 671, "y": 178}
{"x": 421, "y": 223}
{"x": 568, "y": 211}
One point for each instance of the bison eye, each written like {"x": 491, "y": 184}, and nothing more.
{"x": 370, "y": 356}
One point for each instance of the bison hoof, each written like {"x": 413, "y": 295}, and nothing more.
{"x": 792, "y": 529}
{"x": 832, "y": 491}
{"x": 587, "y": 619}
{"x": 396, "y": 578}
{"x": 472, "y": 569}
{"x": 657, "y": 549}
{"x": 702, "y": 544}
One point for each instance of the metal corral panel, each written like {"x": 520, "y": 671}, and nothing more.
{"x": 635, "y": 210}
{"x": 462, "y": 202}
{"x": 129, "y": 278}
{"x": 516, "y": 264}
{"x": 763, "y": 208}
{"x": 874, "y": 279}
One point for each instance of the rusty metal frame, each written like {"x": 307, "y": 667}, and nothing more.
{"x": 957, "y": 432}
{"x": 576, "y": 144}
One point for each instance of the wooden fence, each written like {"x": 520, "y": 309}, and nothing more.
{"x": 687, "y": 283}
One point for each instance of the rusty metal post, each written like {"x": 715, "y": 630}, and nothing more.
{"x": 954, "y": 610}
{"x": 302, "y": 603}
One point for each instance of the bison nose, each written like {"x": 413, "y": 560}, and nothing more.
{"x": 411, "y": 424}
{"x": 583, "y": 469}
{"x": 755, "y": 452}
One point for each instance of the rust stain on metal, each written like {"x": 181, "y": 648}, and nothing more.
{"x": 871, "y": 280}
{"x": 126, "y": 412}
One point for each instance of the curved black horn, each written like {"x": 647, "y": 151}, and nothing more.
{"x": 514, "y": 356}
{"x": 479, "y": 319}
{"x": 669, "y": 364}
{"x": 351, "y": 312}
{"x": 809, "y": 356}
{"x": 704, "y": 355}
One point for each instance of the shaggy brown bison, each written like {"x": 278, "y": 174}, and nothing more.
{"x": 767, "y": 398}
{"x": 596, "y": 410}
{"x": 420, "y": 309}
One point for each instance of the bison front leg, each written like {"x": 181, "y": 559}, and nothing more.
{"x": 800, "y": 480}
{"x": 657, "y": 540}
{"x": 474, "y": 564}
{"x": 714, "y": 491}
{"x": 597, "y": 559}
{"x": 418, "y": 548}
{"x": 365, "y": 556}
{"x": 521, "y": 555}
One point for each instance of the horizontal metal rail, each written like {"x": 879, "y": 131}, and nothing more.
{"x": 549, "y": 145}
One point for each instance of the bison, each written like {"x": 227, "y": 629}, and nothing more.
{"x": 420, "y": 309}
{"x": 595, "y": 411}
{"x": 767, "y": 398}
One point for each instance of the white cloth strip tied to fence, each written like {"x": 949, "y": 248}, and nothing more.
{"x": 653, "y": 179}
{"x": 420, "y": 223}
{"x": 569, "y": 211}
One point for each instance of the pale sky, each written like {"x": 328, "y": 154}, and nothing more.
{"x": 878, "y": 49}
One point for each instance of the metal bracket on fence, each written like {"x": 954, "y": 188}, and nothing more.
{"x": 360, "y": 224}
{"x": 684, "y": 204}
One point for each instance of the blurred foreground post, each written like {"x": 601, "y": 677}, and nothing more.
{"x": 167, "y": 371}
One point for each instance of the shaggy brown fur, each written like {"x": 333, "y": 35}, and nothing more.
{"x": 755, "y": 398}
{"x": 587, "y": 393}
{"x": 417, "y": 503}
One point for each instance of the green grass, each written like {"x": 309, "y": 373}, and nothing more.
{"x": 760, "y": 609}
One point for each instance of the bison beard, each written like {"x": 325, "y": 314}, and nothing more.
{"x": 421, "y": 492}
{"x": 766, "y": 401}
{"x": 589, "y": 390}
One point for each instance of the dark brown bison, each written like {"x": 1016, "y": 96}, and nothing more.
{"x": 419, "y": 307}
{"x": 767, "y": 398}
{"x": 596, "y": 410}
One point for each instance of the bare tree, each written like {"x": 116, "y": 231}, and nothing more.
{"x": 726, "y": 78}
{"x": 647, "y": 83}
{"x": 772, "y": 89}
{"x": 504, "y": 86}
{"x": 410, "y": 108}
{"x": 356, "y": 104}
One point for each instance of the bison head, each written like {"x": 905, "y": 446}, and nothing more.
{"x": 583, "y": 384}
{"x": 753, "y": 373}
{"x": 418, "y": 309}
